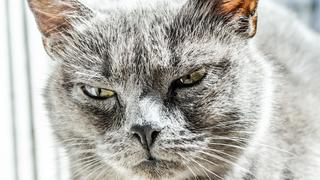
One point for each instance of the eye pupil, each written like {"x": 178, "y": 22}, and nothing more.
{"x": 99, "y": 92}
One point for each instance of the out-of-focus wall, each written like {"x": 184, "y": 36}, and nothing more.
{"x": 27, "y": 150}
{"x": 308, "y": 10}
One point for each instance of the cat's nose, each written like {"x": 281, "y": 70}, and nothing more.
{"x": 146, "y": 135}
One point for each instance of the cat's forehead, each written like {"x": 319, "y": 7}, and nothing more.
{"x": 150, "y": 36}
{"x": 140, "y": 37}
{"x": 141, "y": 41}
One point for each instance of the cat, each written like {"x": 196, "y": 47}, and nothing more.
{"x": 183, "y": 89}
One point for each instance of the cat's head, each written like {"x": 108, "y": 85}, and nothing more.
{"x": 159, "y": 91}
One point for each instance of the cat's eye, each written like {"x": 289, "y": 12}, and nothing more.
{"x": 97, "y": 93}
{"x": 193, "y": 78}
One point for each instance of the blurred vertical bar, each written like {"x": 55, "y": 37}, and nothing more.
{"x": 316, "y": 15}
{"x": 29, "y": 91}
{"x": 12, "y": 95}
{"x": 48, "y": 161}
{"x": 313, "y": 9}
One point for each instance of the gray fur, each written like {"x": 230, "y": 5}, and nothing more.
{"x": 254, "y": 115}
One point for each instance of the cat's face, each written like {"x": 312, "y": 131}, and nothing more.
{"x": 156, "y": 93}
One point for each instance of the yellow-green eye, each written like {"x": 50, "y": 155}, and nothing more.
{"x": 193, "y": 78}
{"x": 97, "y": 93}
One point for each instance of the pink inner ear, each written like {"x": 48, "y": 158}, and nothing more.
{"x": 229, "y": 6}
{"x": 239, "y": 7}
{"x": 242, "y": 8}
{"x": 50, "y": 16}
{"x": 51, "y": 24}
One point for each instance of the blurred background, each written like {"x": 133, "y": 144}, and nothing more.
{"x": 27, "y": 149}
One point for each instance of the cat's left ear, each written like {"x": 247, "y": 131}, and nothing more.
{"x": 55, "y": 16}
{"x": 241, "y": 15}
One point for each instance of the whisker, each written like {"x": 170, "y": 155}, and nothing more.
{"x": 84, "y": 159}
{"x": 204, "y": 167}
{"x": 99, "y": 168}
{"x": 227, "y": 161}
{"x": 201, "y": 168}
{"x": 87, "y": 166}
{"x": 220, "y": 152}
{"x": 186, "y": 164}
{"x": 228, "y": 145}
{"x": 239, "y": 139}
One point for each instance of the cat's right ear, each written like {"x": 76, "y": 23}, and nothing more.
{"x": 238, "y": 16}
{"x": 55, "y": 16}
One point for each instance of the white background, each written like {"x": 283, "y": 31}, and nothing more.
{"x": 26, "y": 48}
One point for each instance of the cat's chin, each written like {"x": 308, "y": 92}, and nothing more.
{"x": 158, "y": 169}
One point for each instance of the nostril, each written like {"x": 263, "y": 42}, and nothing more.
{"x": 154, "y": 136}
{"x": 137, "y": 136}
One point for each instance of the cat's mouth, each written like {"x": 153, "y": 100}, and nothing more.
{"x": 148, "y": 163}
{"x": 154, "y": 168}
